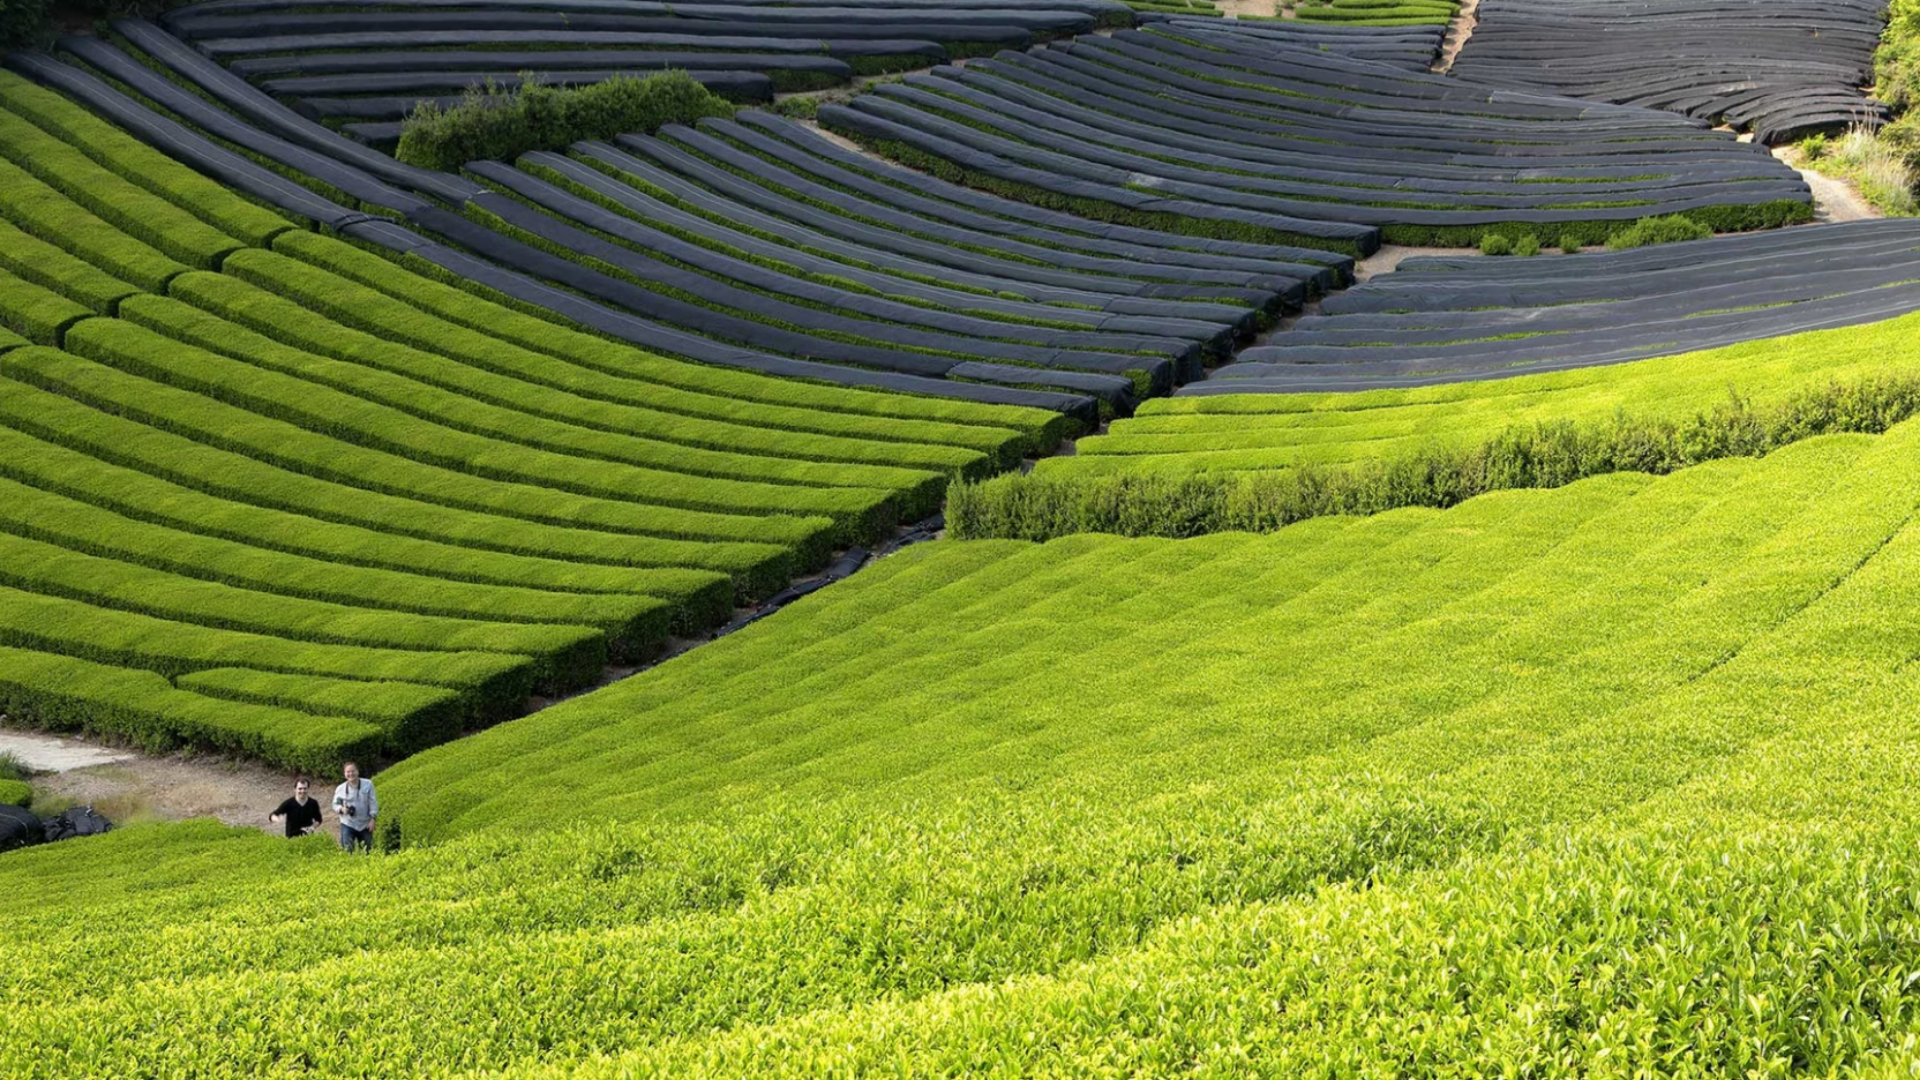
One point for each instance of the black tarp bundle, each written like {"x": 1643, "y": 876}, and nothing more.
{"x": 1781, "y": 71}
{"x": 19, "y": 828}
{"x": 76, "y": 822}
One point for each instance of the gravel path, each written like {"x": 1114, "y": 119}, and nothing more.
{"x": 1833, "y": 199}
{"x": 127, "y": 785}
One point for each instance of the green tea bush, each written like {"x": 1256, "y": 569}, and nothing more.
{"x": 1660, "y": 230}
{"x": 16, "y": 793}
{"x": 1527, "y": 245}
{"x": 1570, "y": 244}
{"x": 1427, "y": 793}
{"x": 1496, "y": 244}
{"x": 498, "y": 124}
{"x": 1041, "y": 506}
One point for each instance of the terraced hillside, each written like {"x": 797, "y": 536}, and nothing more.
{"x": 1451, "y": 318}
{"x": 274, "y": 494}
{"x": 365, "y": 66}
{"x": 1198, "y": 464}
{"x": 756, "y": 244}
{"x": 1414, "y": 46}
{"x": 1781, "y": 73}
{"x": 1344, "y": 797}
{"x": 1247, "y": 137}
{"x": 1496, "y": 667}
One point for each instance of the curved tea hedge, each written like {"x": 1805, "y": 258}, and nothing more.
{"x": 1445, "y": 319}
{"x": 769, "y": 233}
{"x": 1414, "y": 46}
{"x": 1365, "y": 794}
{"x": 1199, "y": 464}
{"x": 1780, "y": 72}
{"x": 269, "y": 492}
{"x": 365, "y": 65}
{"x": 755, "y": 244}
{"x": 1252, "y": 139}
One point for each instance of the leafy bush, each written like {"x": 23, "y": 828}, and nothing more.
{"x": 1527, "y": 245}
{"x": 493, "y": 123}
{"x": 1496, "y": 244}
{"x": 1570, "y": 243}
{"x": 16, "y": 793}
{"x": 1896, "y": 64}
{"x": 1659, "y": 230}
{"x": 20, "y": 21}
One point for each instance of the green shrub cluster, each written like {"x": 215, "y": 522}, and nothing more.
{"x": 1544, "y": 454}
{"x": 21, "y": 21}
{"x": 493, "y": 123}
{"x": 1376, "y": 12}
{"x": 16, "y": 793}
{"x": 1661, "y": 230}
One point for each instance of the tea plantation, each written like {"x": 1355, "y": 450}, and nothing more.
{"x": 949, "y": 538}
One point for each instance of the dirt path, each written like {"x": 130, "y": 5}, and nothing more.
{"x": 1234, "y": 9}
{"x": 1458, "y": 32}
{"x": 128, "y": 786}
{"x": 1389, "y": 256}
{"x": 1833, "y": 199}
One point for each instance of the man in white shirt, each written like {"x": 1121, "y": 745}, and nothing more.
{"x": 356, "y": 807}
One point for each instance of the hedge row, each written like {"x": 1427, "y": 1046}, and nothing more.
{"x": 442, "y": 311}
{"x": 1443, "y": 473}
{"x": 488, "y": 424}
{"x": 633, "y": 625}
{"x": 757, "y": 569}
{"x": 66, "y": 693}
{"x": 140, "y": 163}
{"x": 413, "y": 717}
{"x": 185, "y": 409}
{"x": 565, "y": 657}
{"x": 493, "y": 686}
{"x": 129, "y": 207}
{"x": 42, "y": 212}
{"x": 541, "y": 410}
{"x": 701, "y": 598}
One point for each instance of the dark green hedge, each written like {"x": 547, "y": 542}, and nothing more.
{"x": 495, "y": 124}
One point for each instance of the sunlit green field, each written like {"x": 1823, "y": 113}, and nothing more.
{"x": 1612, "y": 779}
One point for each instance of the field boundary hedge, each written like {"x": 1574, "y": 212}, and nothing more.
{"x": 1545, "y": 454}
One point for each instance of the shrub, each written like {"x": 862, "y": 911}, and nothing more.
{"x": 1660, "y": 230}
{"x": 15, "y": 793}
{"x": 1881, "y": 164}
{"x": 20, "y": 21}
{"x": 1570, "y": 243}
{"x": 1495, "y": 244}
{"x": 12, "y": 768}
{"x": 500, "y": 124}
{"x": 1527, "y": 245}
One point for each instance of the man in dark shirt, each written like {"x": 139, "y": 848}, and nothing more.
{"x": 300, "y": 813}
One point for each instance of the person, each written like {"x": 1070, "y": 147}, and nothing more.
{"x": 300, "y": 814}
{"x": 357, "y": 808}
